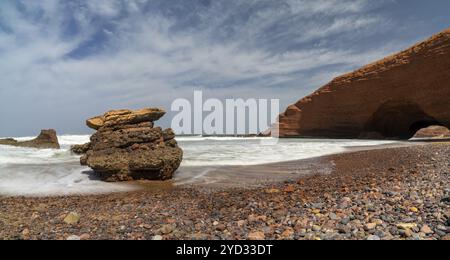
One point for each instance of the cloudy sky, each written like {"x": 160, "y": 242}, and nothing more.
{"x": 64, "y": 61}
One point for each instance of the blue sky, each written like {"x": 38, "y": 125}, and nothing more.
{"x": 64, "y": 61}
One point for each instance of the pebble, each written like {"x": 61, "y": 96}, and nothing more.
{"x": 426, "y": 230}
{"x": 377, "y": 205}
{"x": 373, "y": 238}
{"x": 256, "y": 235}
{"x": 157, "y": 237}
{"x": 72, "y": 218}
{"x": 405, "y": 226}
{"x": 73, "y": 238}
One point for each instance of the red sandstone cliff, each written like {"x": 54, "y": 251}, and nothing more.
{"x": 391, "y": 98}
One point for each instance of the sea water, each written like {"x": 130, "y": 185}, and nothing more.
{"x": 49, "y": 172}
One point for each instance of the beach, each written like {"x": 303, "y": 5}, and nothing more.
{"x": 377, "y": 194}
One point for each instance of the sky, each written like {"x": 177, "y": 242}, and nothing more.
{"x": 62, "y": 62}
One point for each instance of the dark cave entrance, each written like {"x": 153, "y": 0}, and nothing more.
{"x": 421, "y": 125}
{"x": 399, "y": 120}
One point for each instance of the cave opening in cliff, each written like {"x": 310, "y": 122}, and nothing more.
{"x": 419, "y": 125}
{"x": 399, "y": 120}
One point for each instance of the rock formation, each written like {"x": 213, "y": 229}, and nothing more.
{"x": 433, "y": 132}
{"x": 80, "y": 148}
{"x": 392, "y": 98}
{"x": 47, "y": 139}
{"x": 127, "y": 146}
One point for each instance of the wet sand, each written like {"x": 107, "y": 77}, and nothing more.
{"x": 386, "y": 193}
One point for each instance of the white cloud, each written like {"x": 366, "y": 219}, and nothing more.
{"x": 248, "y": 49}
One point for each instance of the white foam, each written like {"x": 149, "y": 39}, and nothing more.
{"x": 223, "y": 151}
{"x": 34, "y": 172}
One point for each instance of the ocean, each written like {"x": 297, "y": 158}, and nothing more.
{"x": 33, "y": 172}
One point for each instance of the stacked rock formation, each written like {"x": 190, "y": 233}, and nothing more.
{"x": 392, "y": 98}
{"x": 47, "y": 139}
{"x": 127, "y": 146}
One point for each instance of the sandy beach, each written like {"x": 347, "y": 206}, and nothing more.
{"x": 389, "y": 193}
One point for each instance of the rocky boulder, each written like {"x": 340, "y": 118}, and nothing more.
{"x": 433, "y": 132}
{"x": 127, "y": 146}
{"x": 80, "y": 148}
{"x": 47, "y": 139}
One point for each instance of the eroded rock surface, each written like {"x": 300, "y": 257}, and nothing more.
{"x": 433, "y": 132}
{"x": 392, "y": 98}
{"x": 127, "y": 146}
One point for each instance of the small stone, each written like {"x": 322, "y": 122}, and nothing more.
{"x": 73, "y": 238}
{"x": 157, "y": 237}
{"x": 256, "y": 235}
{"x": 241, "y": 223}
{"x": 72, "y": 218}
{"x": 373, "y": 238}
{"x": 316, "y": 228}
{"x": 85, "y": 237}
{"x": 334, "y": 216}
{"x": 414, "y": 209}
{"x": 167, "y": 229}
{"x": 26, "y": 233}
{"x": 288, "y": 234}
{"x": 407, "y": 233}
{"x": 405, "y": 226}
{"x": 345, "y": 221}
{"x": 272, "y": 191}
{"x": 289, "y": 189}
{"x": 221, "y": 227}
{"x": 426, "y": 230}
{"x": 371, "y": 226}
{"x": 215, "y": 223}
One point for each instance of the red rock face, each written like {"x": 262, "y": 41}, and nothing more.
{"x": 392, "y": 98}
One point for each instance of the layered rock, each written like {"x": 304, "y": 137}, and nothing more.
{"x": 433, "y": 132}
{"x": 127, "y": 146}
{"x": 47, "y": 139}
{"x": 392, "y": 98}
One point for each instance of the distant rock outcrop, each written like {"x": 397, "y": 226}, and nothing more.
{"x": 433, "y": 132}
{"x": 127, "y": 146}
{"x": 392, "y": 98}
{"x": 47, "y": 139}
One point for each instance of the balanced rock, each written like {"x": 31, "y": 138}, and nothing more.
{"x": 125, "y": 116}
{"x": 47, "y": 139}
{"x": 392, "y": 98}
{"x": 127, "y": 146}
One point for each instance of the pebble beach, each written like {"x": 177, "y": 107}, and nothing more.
{"x": 382, "y": 194}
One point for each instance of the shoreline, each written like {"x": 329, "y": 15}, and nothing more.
{"x": 386, "y": 193}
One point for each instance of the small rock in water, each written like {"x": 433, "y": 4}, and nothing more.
{"x": 72, "y": 218}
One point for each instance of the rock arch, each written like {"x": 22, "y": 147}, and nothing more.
{"x": 399, "y": 119}
{"x": 390, "y": 98}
